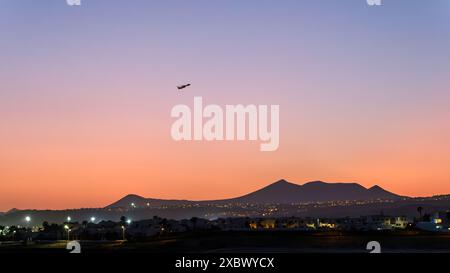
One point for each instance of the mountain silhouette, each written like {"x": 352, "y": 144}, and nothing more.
{"x": 139, "y": 201}
{"x": 317, "y": 191}
{"x": 282, "y": 192}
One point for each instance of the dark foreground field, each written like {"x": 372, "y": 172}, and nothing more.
{"x": 253, "y": 242}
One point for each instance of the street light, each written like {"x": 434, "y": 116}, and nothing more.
{"x": 128, "y": 221}
{"x": 123, "y": 233}
{"x": 69, "y": 219}
{"x": 28, "y": 220}
{"x": 92, "y": 219}
{"x": 66, "y": 227}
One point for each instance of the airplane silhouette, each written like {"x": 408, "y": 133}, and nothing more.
{"x": 183, "y": 86}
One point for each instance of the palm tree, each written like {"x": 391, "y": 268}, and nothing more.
{"x": 426, "y": 217}
{"x": 46, "y": 226}
{"x": 194, "y": 221}
{"x": 419, "y": 209}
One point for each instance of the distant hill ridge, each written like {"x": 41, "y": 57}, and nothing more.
{"x": 282, "y": 192}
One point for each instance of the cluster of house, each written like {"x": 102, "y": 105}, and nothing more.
{"x": 157, "y": 226}
{"x": 151, "y": 227}
{"x": 439, "y": 222}
{"x": 365, "y": 223}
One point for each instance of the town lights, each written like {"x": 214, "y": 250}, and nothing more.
{"x": 27, "y": 219}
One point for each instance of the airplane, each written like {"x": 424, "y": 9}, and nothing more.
{"x": 183, "y": 86}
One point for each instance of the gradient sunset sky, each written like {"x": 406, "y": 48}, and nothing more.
{"x": 86, "y": 94}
